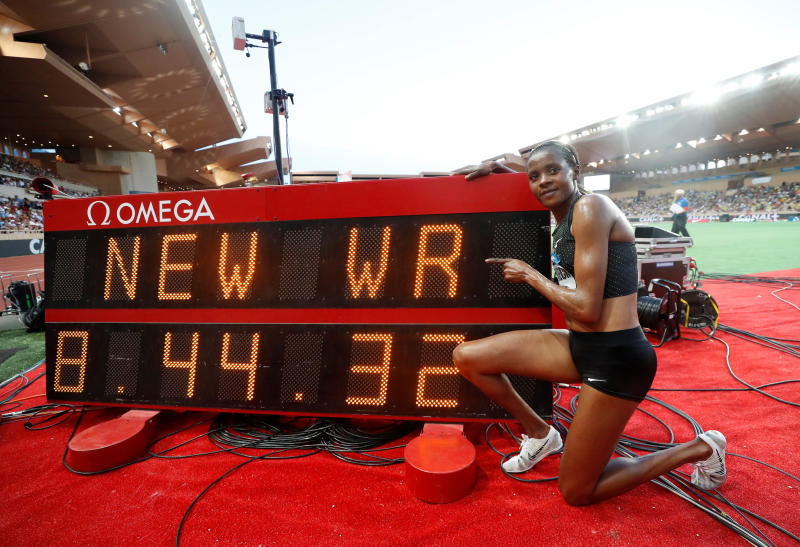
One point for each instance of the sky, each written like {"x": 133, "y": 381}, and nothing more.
{"x": 426, "y": 85}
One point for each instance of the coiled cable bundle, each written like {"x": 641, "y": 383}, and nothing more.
{"x": 661, "y": 315}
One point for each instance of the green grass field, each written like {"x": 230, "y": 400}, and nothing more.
{"x": 31, "y": 351}
{"x": 719, "y": 247}
{"x": 743, "y": 247}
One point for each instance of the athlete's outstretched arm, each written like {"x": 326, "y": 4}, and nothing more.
{"x": 592, "y": 221}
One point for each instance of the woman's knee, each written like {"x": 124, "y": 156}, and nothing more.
{"x": 575, "y": 493}
{"x": 465, "y": 358}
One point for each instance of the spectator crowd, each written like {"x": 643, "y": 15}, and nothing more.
{"x": 20, "y": 214}
{"x": 784, "y": 198}
{"x": 10, "y": 163}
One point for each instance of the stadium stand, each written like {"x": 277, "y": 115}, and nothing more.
{"x": 18, "y": 173}
{"x": 133, "y": 109}
{"x": 780, "y": 199}
{"x": 20, "y": 215}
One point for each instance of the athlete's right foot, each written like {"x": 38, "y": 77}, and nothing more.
{"x": 532, "y": 451}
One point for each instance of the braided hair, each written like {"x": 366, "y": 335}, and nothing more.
{"x": 568, "y": 153}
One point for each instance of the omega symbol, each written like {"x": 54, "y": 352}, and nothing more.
{"x": 91, "y": 221}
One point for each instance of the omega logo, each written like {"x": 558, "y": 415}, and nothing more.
{"x": 182, "y": 210}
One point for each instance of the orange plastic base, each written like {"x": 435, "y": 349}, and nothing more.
{"x": 440, "y": 464}
{"x": 112, "y": 443}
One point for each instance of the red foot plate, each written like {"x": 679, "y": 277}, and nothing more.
{"x": 112, "y": 443}
{"x": 440, "y": 464}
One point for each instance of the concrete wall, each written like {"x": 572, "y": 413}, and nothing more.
{"x": 113, "y": 172}
{"x": 108, "y": 182}
{"x": 140, "y": 167}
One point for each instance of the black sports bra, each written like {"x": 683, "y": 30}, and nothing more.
{"x": 622, "y": 276}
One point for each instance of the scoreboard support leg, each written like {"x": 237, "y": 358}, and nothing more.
{"x": 112, "y": 443}
{"x": 440, "y": 463}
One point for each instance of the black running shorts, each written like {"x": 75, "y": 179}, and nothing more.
{"x": 620, "y": 363}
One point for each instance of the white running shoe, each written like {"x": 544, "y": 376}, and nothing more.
{"x": 710, "y": 473}
{"x": 532, "y": 451}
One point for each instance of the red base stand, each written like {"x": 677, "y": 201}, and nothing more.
{"x": 112, "y": 443}
{"x": 440, "y": 464}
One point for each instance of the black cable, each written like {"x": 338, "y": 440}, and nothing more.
{"x": 751, "y": 279}
{"x": 709, "y": 336}
{"x": 210, "y": 486}
{"x": 700, "y": 501}
{"x": 99, "y": 472}
{"x": 761, "y": 340}
{"x": 505, "y": 456}
{"x": 258, "y": 432}
{"x": 60, "y": 413}
{"x": 336, "y": 437}
{"x": 759, "y": 517}
{"x": 671, "y": 480}
{"x": 21, "y": 374}
{"x": 752, "y": 387}
{"x": 9, "y": 395}
{"x": 723, "y": 389}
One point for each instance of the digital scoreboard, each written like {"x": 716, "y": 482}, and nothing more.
{"x": 337, "y": 299}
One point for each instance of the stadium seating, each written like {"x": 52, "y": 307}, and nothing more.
{"x": 781, "y": 199}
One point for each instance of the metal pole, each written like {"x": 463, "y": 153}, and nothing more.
{"x": 269, "y": 37}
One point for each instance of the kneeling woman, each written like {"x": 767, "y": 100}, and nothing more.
{"x": 594, "y": 261}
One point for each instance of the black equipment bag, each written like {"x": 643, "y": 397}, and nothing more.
{"x": 22, "y": 295}
{"x": 34, "y": 317}
{"x": 698, "y": 310}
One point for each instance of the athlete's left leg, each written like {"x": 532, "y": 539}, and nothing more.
{"x": 588, "y": 474}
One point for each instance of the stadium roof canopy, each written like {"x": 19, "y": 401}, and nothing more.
{"x": 751, "y": 113}
{"x": 136, "y": 76}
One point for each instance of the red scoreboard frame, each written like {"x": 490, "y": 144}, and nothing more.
{"x": 335, "y": 299}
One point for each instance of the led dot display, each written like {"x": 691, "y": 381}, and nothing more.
{"x": 127, "y": 274}
{"x": 185, "y": 360}
{"x": 302, "y": 365}
{"x": 441, "y": 260}
{"x": 336, "y": 370}
{"x": 341, "y": 299}
{"x": 235, "y": 280}
{"x": 446, "y": 343}
{"x": 71, "y": 354}
{"x": 365, "y": 280}
{"x": 70, "y": 258}
{"x": 300, "y": 267}
{"x": 376, "y": 373}
{"x": 249, "y": 367}
{"x": 122, "y": 364}
{"x": 180, "y": 246}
